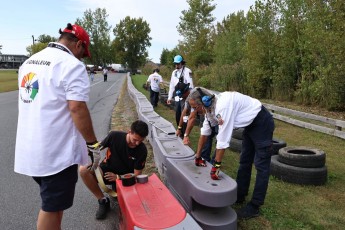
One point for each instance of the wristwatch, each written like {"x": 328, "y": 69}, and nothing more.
{"x": 185, "y": 135}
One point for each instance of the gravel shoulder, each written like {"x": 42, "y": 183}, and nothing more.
{"x": 123, "y": 115}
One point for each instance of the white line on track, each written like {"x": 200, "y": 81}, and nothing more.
{"x": 96, "y": 83}
{"x": 111, "y": 87}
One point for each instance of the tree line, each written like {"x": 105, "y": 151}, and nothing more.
{"x": 287, "y": 50}
{"x": 291, "y": 50}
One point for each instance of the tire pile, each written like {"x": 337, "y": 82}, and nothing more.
{"x": 300, "y": 165}
{"x": 163, "y": 97}
{"x": 146, "y": 87}
{"x": 236, "y": 142}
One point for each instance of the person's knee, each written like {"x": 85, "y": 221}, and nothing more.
{"x": 83, "y": 171}
{"x": 263, "y": 160}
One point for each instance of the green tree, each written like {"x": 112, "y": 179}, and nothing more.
{"x": 131, "y": 40}
{"x": 42, "y": 42}
{"x": 167, "y": 56}
{"x": 260, "y": 49}
{"x": 196, "y": 27}
{"x": 230, "y": 42}
{"x": 95, "y": 23}
{"x": 164, "y": 59}
{"x": 46, "y": 39}
{"x": 290, "y": 45}
{"x": 322, "y": 78}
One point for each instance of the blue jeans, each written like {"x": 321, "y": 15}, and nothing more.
{"x": 257, "y": 149}
{"x": 206, "y": 150}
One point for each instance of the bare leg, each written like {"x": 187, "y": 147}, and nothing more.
{"x": 90, "y": 181}
{"x": 49, "y": 220}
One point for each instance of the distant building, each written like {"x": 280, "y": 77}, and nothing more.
{"x": 11, "y": 61}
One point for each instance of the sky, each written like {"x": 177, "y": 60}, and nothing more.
{"x": 22, "y": 19}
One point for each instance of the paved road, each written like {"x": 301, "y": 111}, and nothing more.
{"x": 19, "y": 197}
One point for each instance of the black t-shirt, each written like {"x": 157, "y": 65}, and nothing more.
{"x": 120, "y": 159}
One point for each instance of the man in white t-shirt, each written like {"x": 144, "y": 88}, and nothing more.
{"x": 236, "y": 110}
{"x": 54, "y": 122}
{"x": 181, "y": 81}
{"x": 155, "y": 80}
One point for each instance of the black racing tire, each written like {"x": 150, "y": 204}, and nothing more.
{"x": 172, "y": 104}
{"x": 277, "y": 144}
{"x": 163, "y": 99}
{"x": 235, "y": 145}
{"x": 298, "y": 175}
{"x": 145, "y": 86}
{"x": 238, "y": 133}
{"x": 302, "y": 156}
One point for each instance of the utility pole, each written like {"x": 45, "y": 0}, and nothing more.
{"x": 33, "y": 40}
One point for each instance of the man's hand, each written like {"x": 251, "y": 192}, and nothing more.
{"x": 94, "y": 150}
{"x": 186, "y": 140}
{"x": 178, "y": 132}
{"x": 168, "y": 102}
{"x": 199, "y": 161}
{"x": 111, "y": 176}
{"x": 215, "y": 170}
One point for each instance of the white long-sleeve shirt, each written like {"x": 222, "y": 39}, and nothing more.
{"x": 233, "y": 110}
{"x": 175, "y": 77}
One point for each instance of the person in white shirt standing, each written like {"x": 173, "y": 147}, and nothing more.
{"x": 105, "y": 73}
{"x": 236, "y": 110}
{"x": 181, "y": 81}
{"x": 54, "y": 122}
{"x": 155, "y": 80}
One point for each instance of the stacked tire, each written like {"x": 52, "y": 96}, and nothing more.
{"x": 163, "y": 97}
{"x": 237, "y": 137}
{"x": 300, "y": 165}
{"x": 146, "y": 87}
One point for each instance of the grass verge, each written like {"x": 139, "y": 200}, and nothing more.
{"x": 8, "y": 80}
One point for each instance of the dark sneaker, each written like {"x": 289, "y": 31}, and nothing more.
{"x": 240, "y": 200}
{"x": 248, "y": 211}
{"x": 104, "y": 207}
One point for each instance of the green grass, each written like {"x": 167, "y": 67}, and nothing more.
{"x": 289, "y": 206}
{"x": 8, "y": 80}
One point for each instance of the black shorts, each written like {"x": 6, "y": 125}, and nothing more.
{"x": 57, "y": 191}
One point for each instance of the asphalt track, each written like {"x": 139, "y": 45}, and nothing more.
{"x": 19, "y": 194}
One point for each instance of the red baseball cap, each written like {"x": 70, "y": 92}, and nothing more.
{"x": 81, "y": 34}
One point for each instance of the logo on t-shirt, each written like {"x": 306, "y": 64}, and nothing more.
{"x": 29, "y": 87}
{"x": 219, "y": 118}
